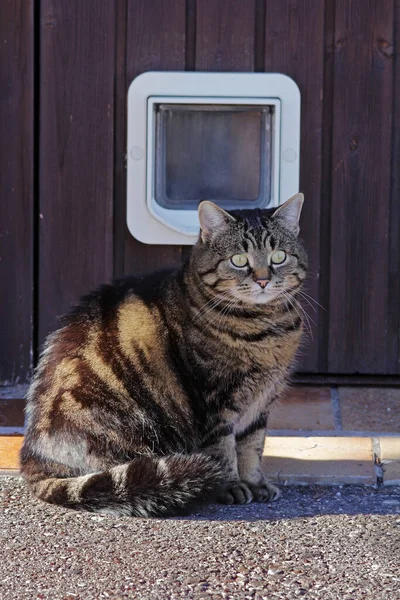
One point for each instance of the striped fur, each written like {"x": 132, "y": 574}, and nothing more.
{"x": 154, "y": 394}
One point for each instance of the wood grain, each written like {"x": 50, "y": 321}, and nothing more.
{"x": 120, "y": 134}
{"x": 16, "y": 188}
{"x": 225, "y": 35}
{"x": 294, "y": 45}
{"x": 361, "y": 160}
{"x": 76, "y": 152}
{"x": 342, "y": 56}
{"x": 155, "y": 42}
{"x": 326, "y": 189}
{"x": 393, "y": 325}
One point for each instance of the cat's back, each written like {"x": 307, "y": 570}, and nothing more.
{"x": 104, "y": 303}
{"x": 111, "y": 313}
{"x": 103, "y": 380}
{"x": 100, "y": 345}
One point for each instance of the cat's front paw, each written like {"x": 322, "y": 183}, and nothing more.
{"x": 236, "y": 493}
{"x": 264, "y": 492}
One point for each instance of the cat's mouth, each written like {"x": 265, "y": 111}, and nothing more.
{"x": 263, "y": 296}
{"x": 254, "y": 294}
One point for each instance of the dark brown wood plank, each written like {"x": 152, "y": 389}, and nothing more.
{"x": 326, "y": 187}
{"x": 120, "y": 133}
{"x": 16, "y": 185}
{"x": 294, "y": 45}
{"x": 225, "y": 35}
{"x": 393, "y": 328}
{"x": 363, "y": 77}
{"x": 155, "y": 42}
{"x": 76, "y": 152}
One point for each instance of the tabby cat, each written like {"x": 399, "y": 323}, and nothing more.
{"x": 154, "y": 394}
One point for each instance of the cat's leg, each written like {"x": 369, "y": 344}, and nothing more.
{"x": 249, "y": 451}
{"x": 221, "y": 444}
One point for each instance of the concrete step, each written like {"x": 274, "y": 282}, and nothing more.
{"x": 332, "y": 459}
{"x": 301, "y": 459}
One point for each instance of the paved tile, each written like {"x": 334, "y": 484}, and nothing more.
{"x": 319, "y": 460}
{"x": 390, "y": 458}
{"x": 370, "y": 409}
{"x": 303, "y": 409}
{"x": 390, "y": 448}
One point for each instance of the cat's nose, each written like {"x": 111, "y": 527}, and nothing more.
{"x": 262, "y": 282}
{"x": 262, "y": 276}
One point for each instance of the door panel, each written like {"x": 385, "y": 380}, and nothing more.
{"x": 17, "y": 191}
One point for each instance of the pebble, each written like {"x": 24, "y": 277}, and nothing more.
{"x": 297, "y": 547}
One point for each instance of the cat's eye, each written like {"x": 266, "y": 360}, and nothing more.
{"x": 278, "y": 257}
{"x": 239, "y": 260}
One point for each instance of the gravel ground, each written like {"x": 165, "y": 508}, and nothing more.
{"x": 316, "y": 542}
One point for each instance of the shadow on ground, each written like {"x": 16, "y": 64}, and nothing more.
{"x": 296, "y": 502}
{"x": 310, "y": 501}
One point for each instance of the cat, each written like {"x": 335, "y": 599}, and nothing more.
{"x": 154, "y": 394}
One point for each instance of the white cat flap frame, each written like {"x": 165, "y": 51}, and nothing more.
{"x": 148, "y": 220}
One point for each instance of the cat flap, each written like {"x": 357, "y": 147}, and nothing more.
{"x": 233, "y": 138}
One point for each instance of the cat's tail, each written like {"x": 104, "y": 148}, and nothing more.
{"x": 145, "y": 487}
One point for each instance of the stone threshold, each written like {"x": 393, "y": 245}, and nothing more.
{"x": 332, "y": 460}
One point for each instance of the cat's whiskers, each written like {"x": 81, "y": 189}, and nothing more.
{"x": 291, "y": 316}
{"x": 293, "y": 302}
{"x": 210, "y": 306}
{"x": 203, "y": 284}
{"x": 205, "y": 315}
{"x": 307, "y": 297}
{"x": 308, "y": 302}
{"x": 227, "y": 310}
{"x": 220, "y": 314}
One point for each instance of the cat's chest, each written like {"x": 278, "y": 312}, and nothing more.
{"x": 239, "y": 344}
{"x": 259, "y": 387}
{"x": 251, "y": 412}
{"x": 254, "y": 400}
{"x": 265, "y": 355}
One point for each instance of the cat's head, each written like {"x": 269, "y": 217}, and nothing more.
{"x": 251, "y": 256}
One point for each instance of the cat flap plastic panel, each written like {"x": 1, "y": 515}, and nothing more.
{"x": 232, "y": 138}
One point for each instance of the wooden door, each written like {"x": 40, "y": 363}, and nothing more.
{"x": 65, "y": 71}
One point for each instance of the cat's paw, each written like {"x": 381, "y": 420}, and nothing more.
{"x": 264, "y": 492}
{"x": 236, "y": 493}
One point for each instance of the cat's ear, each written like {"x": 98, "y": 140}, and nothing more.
{"x": 213, "y": 219}
{"x": 290, "y": 213}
